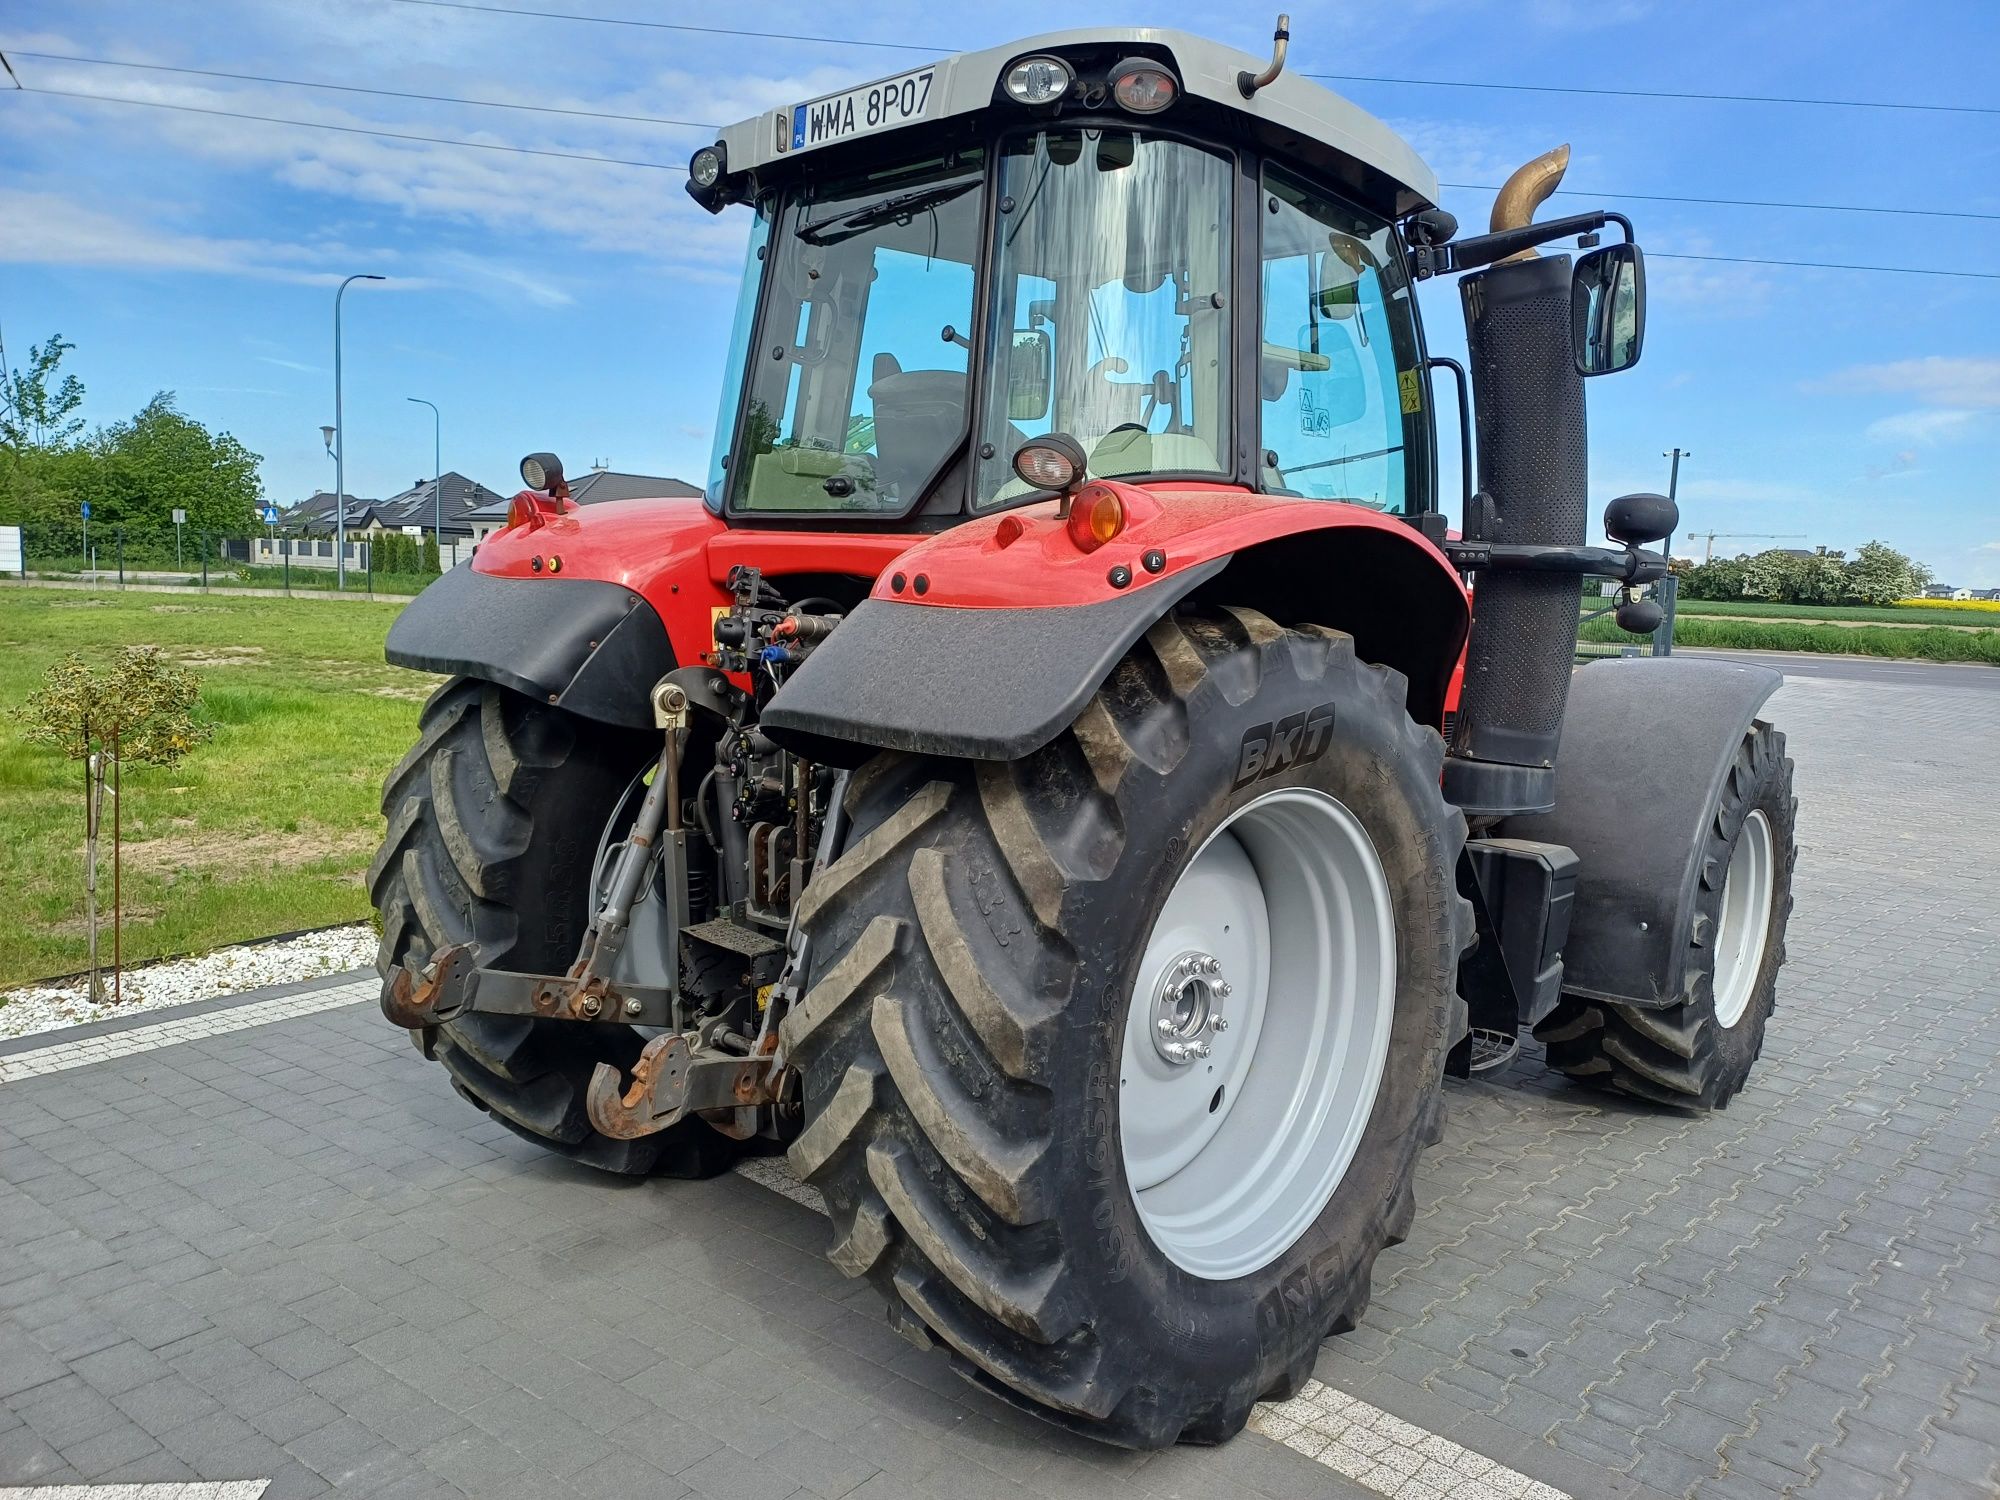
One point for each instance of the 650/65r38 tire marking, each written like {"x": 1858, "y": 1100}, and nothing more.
{"x": 979, "y": 949}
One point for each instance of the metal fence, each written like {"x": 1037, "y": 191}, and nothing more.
{"x": 189, "y": 556}
{"x": 1598, "y": 606}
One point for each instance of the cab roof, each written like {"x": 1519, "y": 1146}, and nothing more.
{"x": 1292, "y": 107}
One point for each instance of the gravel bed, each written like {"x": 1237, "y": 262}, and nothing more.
{"x": 227, "y": 971}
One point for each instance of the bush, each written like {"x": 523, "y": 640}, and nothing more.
{"x": 1718, "y": 578}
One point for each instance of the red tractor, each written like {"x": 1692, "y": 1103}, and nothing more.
{"x": 1064, "y": 783}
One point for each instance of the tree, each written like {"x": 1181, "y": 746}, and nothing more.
{"x": 35, "y": 411}
{"x": 1879, "y": 574}
{"x": 1718, "y": 578}
{"x": 141, "y": 709}
{"x": 1794, "y": 578}
{"x": 162, "y": 460}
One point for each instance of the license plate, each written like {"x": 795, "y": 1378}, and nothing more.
{"x": 902, "y": 100}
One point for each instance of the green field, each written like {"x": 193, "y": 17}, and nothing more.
{"x": 1740, "y": 634}
{"x": 1854, "y": 614}
{"x": 266, "y": 829}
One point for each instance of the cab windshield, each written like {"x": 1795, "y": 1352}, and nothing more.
{"x": 858, "y": 390}
{"x": 1110, "y": 312}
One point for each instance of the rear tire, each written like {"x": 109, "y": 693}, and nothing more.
{"x": 494, "y": 818}
{"x": 1698, "y": 1054}
{"x": 976, "y": 950}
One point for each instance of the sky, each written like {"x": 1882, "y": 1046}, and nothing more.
{"x": 583, "y": 307}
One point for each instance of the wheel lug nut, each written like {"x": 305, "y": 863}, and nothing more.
{"x": 1199, "y": 1049}
{"x": 1224, "y": 990}
{"x": 1220, "y": 1023}
{"x": 1166, "y": 1026}
{"x": 1211, "y": 965}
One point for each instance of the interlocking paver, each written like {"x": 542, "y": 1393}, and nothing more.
{"x": 294, "y": 1249}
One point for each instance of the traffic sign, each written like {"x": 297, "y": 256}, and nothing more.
{"x": 180, "y": 517}
{"x": 86, "y": 510}
{"x": 270, "y": 515}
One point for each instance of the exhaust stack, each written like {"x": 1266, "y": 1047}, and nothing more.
{"x": 1532, "y": 474}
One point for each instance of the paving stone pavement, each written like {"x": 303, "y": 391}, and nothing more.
{"x": 287, "y": 1250}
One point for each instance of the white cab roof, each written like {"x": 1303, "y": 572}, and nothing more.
{"x": 965, "y": 82}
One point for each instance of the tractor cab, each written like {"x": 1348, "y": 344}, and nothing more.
{"x": 1134, "y": 238}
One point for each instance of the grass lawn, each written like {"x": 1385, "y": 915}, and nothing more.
{"x": 267, "y": 828}
{"x": 1740, "y": 634}
{"x": 1853, "y": 613}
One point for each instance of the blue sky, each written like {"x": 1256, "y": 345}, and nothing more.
{"x": 546, "y": 303}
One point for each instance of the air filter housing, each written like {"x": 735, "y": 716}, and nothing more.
{"x": 1528, "y": 400}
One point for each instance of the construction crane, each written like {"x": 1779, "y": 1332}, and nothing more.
{"x": 1733, "y": 536}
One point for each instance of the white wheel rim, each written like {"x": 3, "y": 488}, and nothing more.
{"x": 1281, "y": 927}
{"x": 1746, "y": 920}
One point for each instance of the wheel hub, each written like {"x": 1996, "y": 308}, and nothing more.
{"x": 1257, "y": 1032}
{"x": 1187, "y": 1007}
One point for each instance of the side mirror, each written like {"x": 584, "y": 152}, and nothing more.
{"x": 1031, "y": 368}
{"x": 1337, "y": 276}
{"x": 1607, "y": 300}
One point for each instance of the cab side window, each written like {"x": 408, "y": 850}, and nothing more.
{"x": 1339, "y": 373}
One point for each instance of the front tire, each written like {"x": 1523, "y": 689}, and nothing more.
{"x": 1698, "y": 1054}
{"x": 493, "y": 818}
{"x": 977, "y": 952}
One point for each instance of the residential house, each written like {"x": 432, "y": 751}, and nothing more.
{"x": 592, "y": 488}
{"x": 419, "y": 505}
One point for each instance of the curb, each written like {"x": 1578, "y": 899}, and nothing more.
{"x": 58, "y": 1036}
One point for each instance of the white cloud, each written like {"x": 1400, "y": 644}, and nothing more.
{"x": 1925, "y": 425}
{"x": 50, "y": 229}
{"x": 1940, "y": 380}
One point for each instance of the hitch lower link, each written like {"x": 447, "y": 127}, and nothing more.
{"x": 677, "y": 1076}
{"x": 450, "y": 983}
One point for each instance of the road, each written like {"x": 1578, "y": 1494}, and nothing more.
{"x": 1923, "y": 675}
{"x": 265, "y": 1240}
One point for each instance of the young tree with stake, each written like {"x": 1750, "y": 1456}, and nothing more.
{"x": 141, "y": 709}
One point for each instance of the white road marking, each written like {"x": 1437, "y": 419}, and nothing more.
{"x": 1366, "y": 1444}
{"x": 228, "y": 1489}
{"x": 1389, "y": 1455}
{"x": 63, "y": 1056}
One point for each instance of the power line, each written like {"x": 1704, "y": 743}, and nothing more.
{"x": 1690, "y": 95}
{"x": 659, "y": 166}
{"x": 388, "y": 135}
{"x": 349, "y": 88}
{"x": 761, "y": 36}
{"x": 593, "y": 114}
{"x": 1826, "y": 265}
{"x": 1821, "y": 208}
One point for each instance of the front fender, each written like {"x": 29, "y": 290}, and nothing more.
{"x": 985, "y": 642}
{"x": 1646, "y": 742}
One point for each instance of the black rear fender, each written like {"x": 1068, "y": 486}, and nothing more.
{"x": 592, "y": 647}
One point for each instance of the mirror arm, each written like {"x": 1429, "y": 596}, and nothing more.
{"x": 1484, "y": 249}
{"x": 1439, "y": 361}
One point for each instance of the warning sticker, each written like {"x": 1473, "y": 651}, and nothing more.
{"x": 1412, "y": 390}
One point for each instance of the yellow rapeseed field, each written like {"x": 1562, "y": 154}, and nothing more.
{"x": 1988, "y": 605}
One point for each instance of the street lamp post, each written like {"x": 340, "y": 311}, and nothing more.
{"x": 340, "y": 444}
{"x": 1673, "y": 487}
{"x": 437, "y": 478}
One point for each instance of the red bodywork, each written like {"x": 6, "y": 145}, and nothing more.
{"x": 677, "y": 554}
